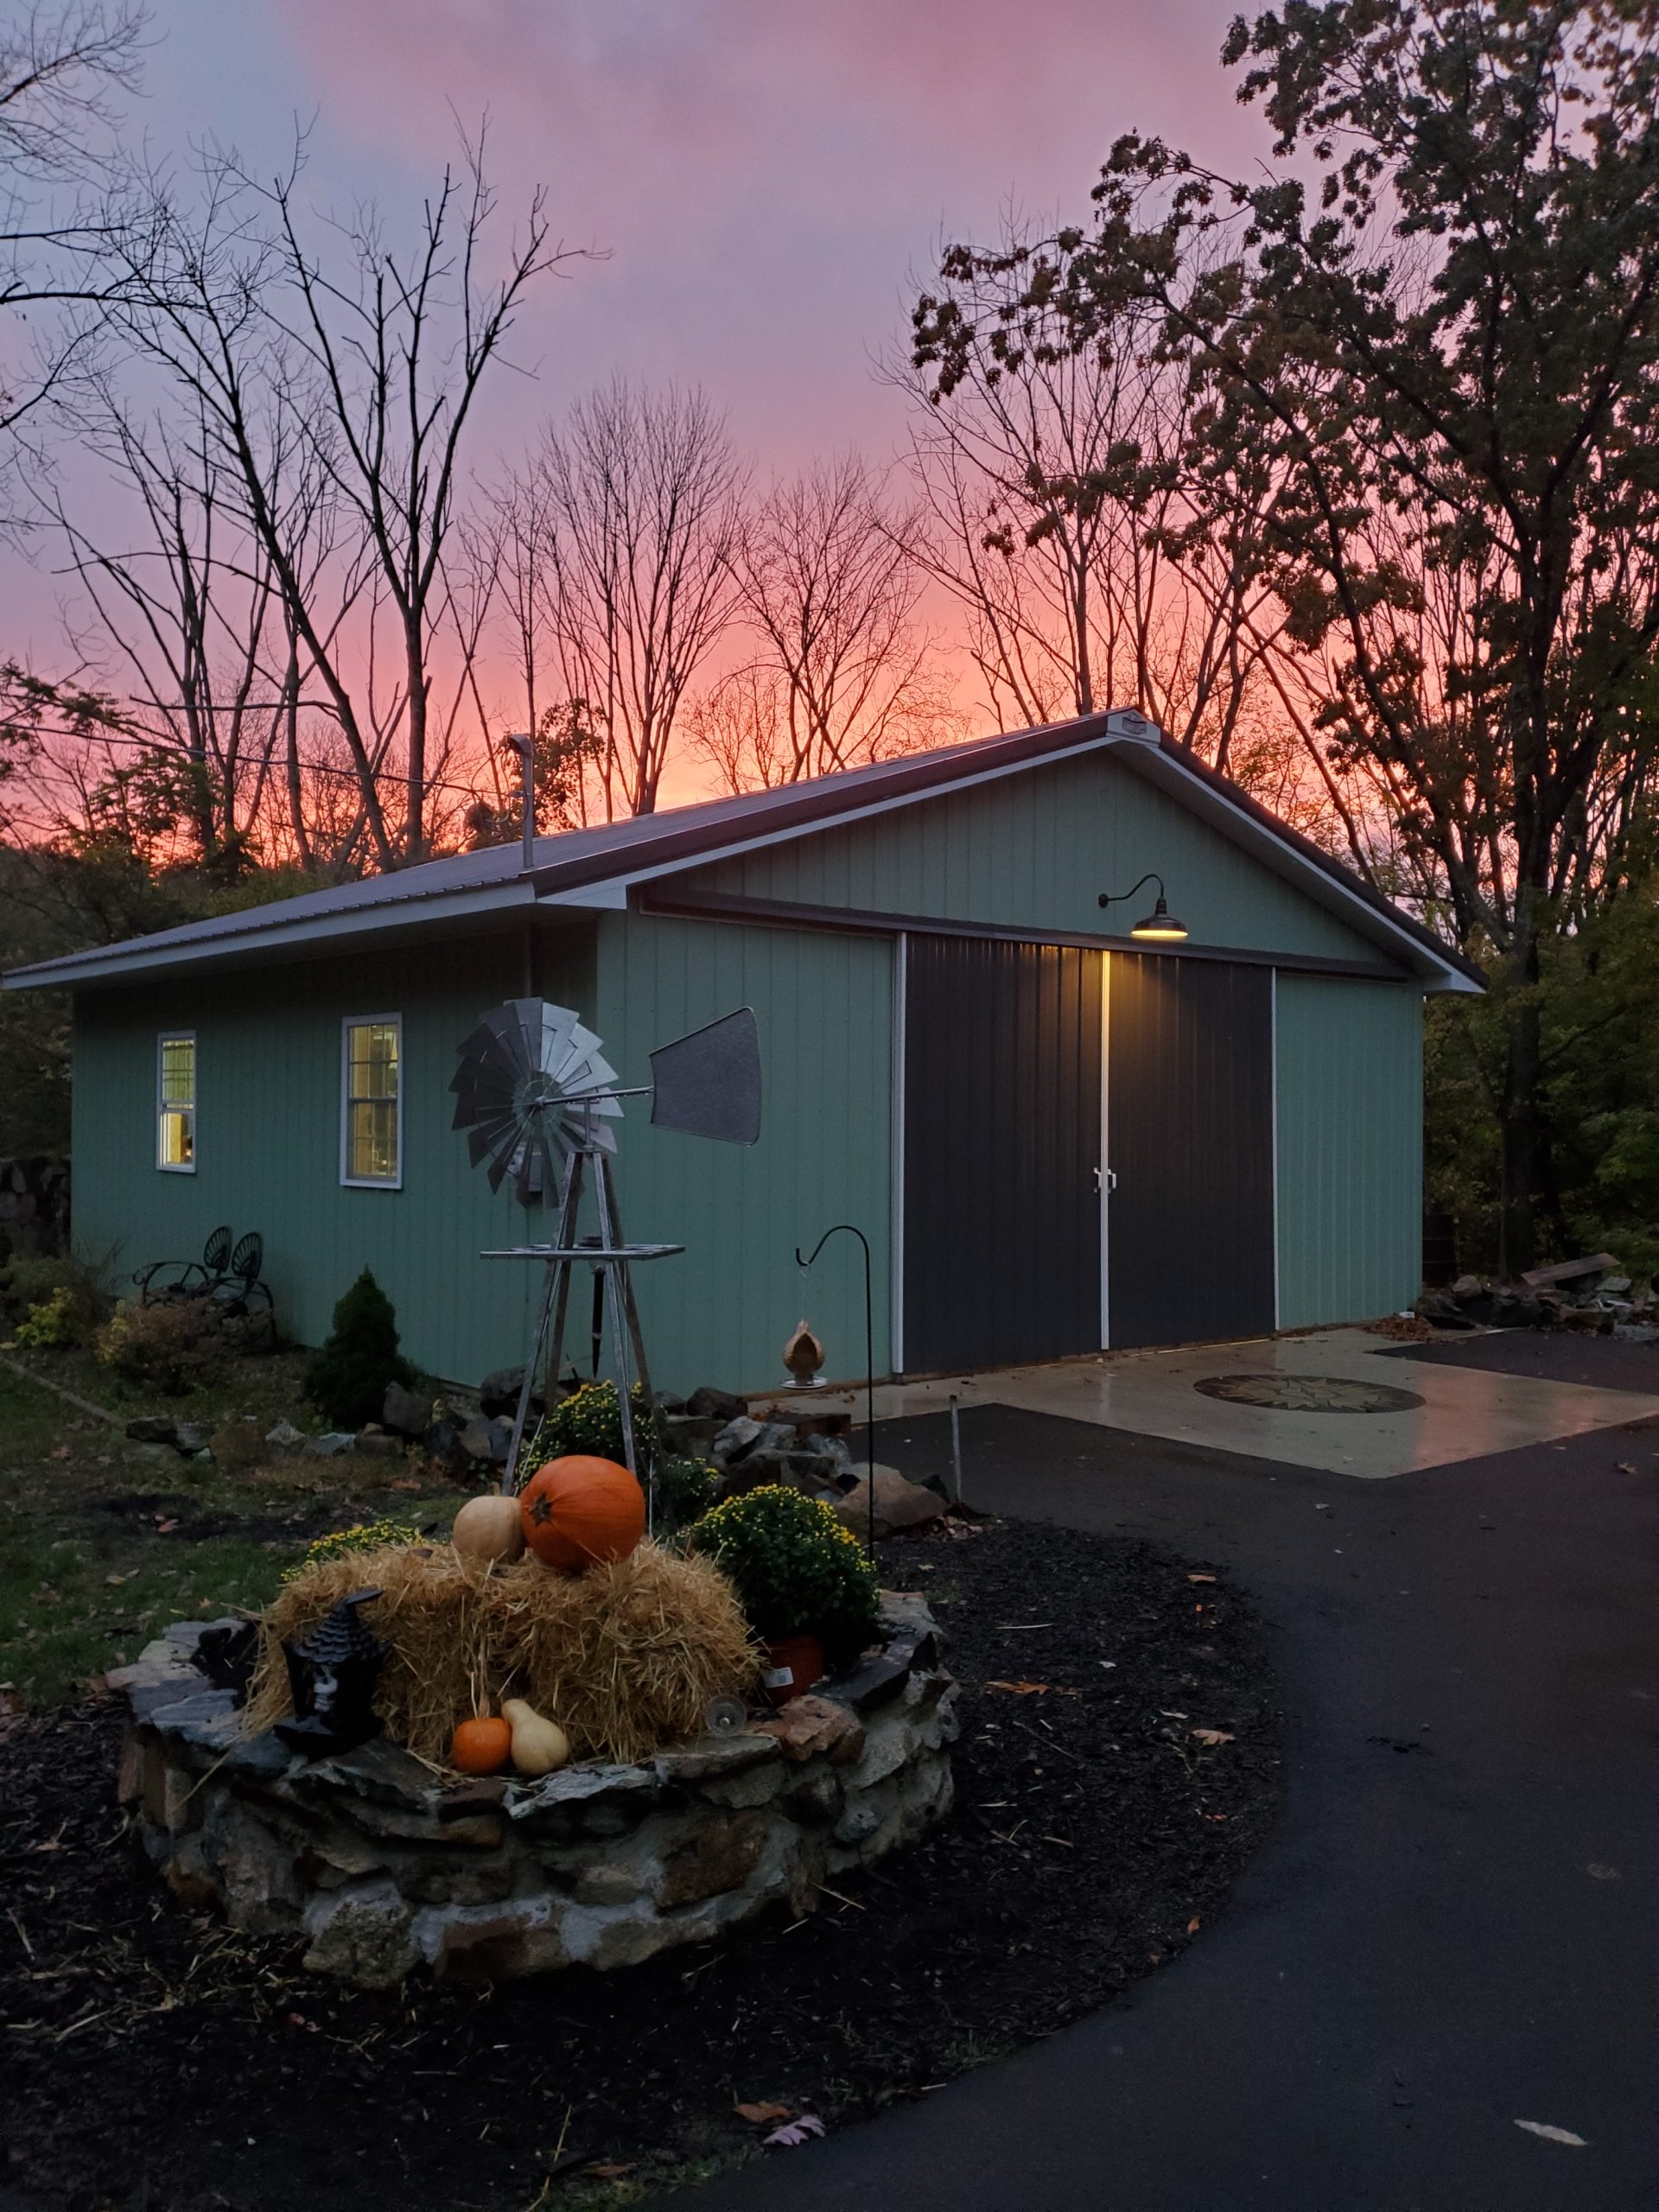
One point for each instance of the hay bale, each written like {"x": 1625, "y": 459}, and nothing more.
{"x": 624, "y": 1657}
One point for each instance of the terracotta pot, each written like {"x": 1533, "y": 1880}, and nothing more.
{"x": 793, "y": 1664}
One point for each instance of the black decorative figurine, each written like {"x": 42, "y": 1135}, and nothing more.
{"x": 332, "y": 1674}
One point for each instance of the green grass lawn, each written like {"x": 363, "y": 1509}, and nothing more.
{"x": 103, "y": 1542}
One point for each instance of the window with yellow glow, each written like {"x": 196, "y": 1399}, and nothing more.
{"x": 175, "y": 1102}
{"x": 371, "y": 1133}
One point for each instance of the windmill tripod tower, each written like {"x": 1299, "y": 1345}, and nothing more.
{"x": 539, "y": 1100}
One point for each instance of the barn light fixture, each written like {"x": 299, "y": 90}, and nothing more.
{"x": 1160, "y": 927}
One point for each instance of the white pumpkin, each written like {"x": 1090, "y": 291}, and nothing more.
{"x": 489, "y": 1529}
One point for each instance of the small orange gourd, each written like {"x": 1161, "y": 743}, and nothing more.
{"x": 480, "y": 1746}
{"x": 580, "y": 1510}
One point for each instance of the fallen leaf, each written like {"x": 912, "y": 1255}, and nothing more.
{"x": 1212, "y": 1735}
{"x": 761, "y": 2115}
{"x": 60, "y": 1452}
{"x": 1021, "y": 1689}
{"x": 1552, "y": 2134}
{"x": 797, "y": 2132}
{"x": 1624, "y": 1468}
{"x": 1193, "y": 1925}
{"x": 403, "y": 1481}
{"x": 1200, "y": 1578}
{"x": 608, "y": 2172}
{"x": 115, "y": 1581}
{"x": 166, "y": 1528}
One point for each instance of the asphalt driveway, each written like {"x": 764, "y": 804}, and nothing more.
{"x": 1454, "y": 1929}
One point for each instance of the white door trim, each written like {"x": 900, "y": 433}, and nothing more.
{"x": 896, "y": 1153}
{"x": 1106, "y": 959}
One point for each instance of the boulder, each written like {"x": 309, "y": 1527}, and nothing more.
{"x": 476, "y": 1438}
{"x": 1635, "y": 1333}
{"x": 899, "y": 1504}
{"x": 375, "y": 1444}
{"x": 191, "y": 1437}
{"x": 406, "y": 1413}
{"x": 442, "y": 1442}
{"x": 737, "y": 1439}
{"x": 330, "y": 1445}
{"x": 499, "y": 1393}
{"x": 691, "y": 1436}
{"x": 284, "y": 1440}
{"x": 152, "y": 1429}
{"x": 723, "y": 1405}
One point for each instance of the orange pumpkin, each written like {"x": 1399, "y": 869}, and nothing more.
{"x": 480, "y": 1746}
{"x": 580, "y": 1510}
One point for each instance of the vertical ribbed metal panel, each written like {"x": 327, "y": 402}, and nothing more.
{"x": 1033, "y": 851}
{"x": 823, "y": 1003}
{"x": 1349, "y": 1148}
{"x": 1189, "y": 1136}
{"x": 267, "y": 1138}
{"x": 1001, "y": 1229}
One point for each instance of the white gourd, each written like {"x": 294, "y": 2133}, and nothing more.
{"x": 539, "y": 1746}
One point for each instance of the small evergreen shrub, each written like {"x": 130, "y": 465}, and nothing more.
{"x": 174, "y": 1347}
{"x": 796, "y": 1570}
{"x": 347, "y": 1377}
{"x": 48, "y": 1322}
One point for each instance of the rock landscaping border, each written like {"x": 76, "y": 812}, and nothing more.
{"x": 387, "y": 1868}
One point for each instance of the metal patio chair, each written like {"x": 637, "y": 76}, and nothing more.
{"x": 238, "y": 1284}
{"x": 187, "y": 1278}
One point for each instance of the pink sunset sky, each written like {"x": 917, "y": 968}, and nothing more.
{"x": 766, "y": 177}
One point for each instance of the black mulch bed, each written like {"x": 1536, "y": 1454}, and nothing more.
{"x": 155, "y": 2062}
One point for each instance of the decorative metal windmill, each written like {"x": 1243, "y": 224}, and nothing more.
{"x": 535, "y": 1094}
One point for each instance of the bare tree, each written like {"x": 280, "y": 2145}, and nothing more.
{"x": 1063, "y": 517}
{"x": 67, "y": 194}
{"x": 396, "y": 349}
{"x": 843, "y": 675}
{"x": 369, "y": 369}
{"x": 641, "y": 498}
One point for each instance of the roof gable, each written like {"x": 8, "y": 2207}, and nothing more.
{"x": 597, "y": 868}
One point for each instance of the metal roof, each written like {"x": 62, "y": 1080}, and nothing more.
{"x": 593, "y": 868}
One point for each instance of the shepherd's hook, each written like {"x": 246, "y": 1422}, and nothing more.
{"x": 852, "y": 1230}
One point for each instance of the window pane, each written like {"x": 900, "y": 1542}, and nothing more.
{"x": 371, "y": 1074}
{"x": 178, "y": 1145}
{"x": 373, "y": 1147}
{"x": 179, "y": 1070}
{"x": 372, "y": 1059}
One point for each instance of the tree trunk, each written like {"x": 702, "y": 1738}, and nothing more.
{"x": 1522, "y": 1116}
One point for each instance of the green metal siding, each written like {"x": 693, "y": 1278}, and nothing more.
{"x": 823, "y": 1003}
{"x": 1349, "y": 1080}
{"x": 268, "y": 1058}
{"x": 1033, "y": 851}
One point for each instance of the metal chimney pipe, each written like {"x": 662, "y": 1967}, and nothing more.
{"x": 524, "y": 747}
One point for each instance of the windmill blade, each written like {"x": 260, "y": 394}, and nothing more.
{"x": 708, "y": 1084}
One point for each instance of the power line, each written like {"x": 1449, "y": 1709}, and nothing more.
{"x": 312, "y": 767}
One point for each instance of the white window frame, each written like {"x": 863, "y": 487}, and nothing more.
{"x": 349, "y": 1022}
{"x": 164, "y": 1105}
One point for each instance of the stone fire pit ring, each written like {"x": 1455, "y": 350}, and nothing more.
{"x": 388, "y": 1869}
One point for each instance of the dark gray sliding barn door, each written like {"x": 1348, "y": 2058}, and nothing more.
{"x": 1001, "y": 1099}
{"x": 1189, "y": 1137}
